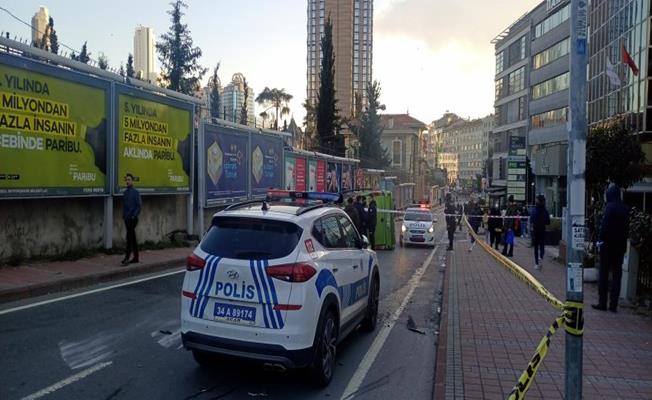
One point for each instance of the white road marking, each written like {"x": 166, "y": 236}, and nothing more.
{"x": 65, "y": 382}
{"x": 379, "y": 341}
{"x": 170, "y": 340}
{"x": 72, "y": 296}
{"x": 87, "y": 352}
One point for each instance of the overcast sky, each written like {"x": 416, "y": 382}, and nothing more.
{"x": 429, "y": 55}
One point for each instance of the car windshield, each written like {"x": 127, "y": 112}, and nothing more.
{"x": 418, "y": 216}
{"x": 251, "y": 238}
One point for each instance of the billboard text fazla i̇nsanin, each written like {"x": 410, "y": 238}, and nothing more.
{"x": 52, "y": 135}
{"x": 154, "y": 144}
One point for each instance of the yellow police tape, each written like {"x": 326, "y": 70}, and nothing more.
{"x": 572, "y": 317}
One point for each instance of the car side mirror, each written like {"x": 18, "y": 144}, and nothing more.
{"x": 364, "y": 242}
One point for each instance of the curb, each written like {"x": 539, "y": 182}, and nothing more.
{"x": 40, "y": 289}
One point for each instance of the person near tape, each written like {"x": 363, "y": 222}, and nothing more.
{"x": 474, "y": 213}
{"x": 372, "y": 214}
{"x": 351, "y": 211}
{"x": 451, "y": 221}
{"x": 495, "y": 227}
{"x": 509, "y": 226}
{"x": 539, "y": 219}
{"x": 612, "y": 242}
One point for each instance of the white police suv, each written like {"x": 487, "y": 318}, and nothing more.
{"x": 280, "y": 281}
{"x": 418, "y": 227}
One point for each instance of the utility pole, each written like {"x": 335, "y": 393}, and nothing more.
{"x": 575, "y": 192}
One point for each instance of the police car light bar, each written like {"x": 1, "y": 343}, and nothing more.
{"x": 294, "y": 195}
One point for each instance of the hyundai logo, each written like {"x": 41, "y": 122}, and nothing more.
{"x": 233, "y": 274}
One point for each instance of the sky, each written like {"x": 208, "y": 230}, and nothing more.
{"x": 430, "y": 56}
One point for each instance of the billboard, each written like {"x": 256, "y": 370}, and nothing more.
{"x": 226, "y": 164}
{"x": 266, "y": 163}
{"x": 300, "y": 174}
{"x": 53, "y": 130}
{"x": 347, "y": 177}
{"x": 290, "y": 172}
{"x": 154, "y": 141}
{"x": 332, "y": 183}
{"x": 312, "y": 175}
{"x": 320, "y": 174}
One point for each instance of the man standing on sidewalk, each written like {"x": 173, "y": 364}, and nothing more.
{"x": 612, "y": 243}
{"x": 362, "y": 214}
{"x": 371, "y": 221}
{"x": 130, "y": 210}
{"x": 451, "y": 220}
{"x": 540, "y": 218}
{"x": 495, "y": 226}
{"x": 508, "y": 227}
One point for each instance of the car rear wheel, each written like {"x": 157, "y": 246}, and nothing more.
{"x": 371, "y": 319}
{"x": 325, "y": 349}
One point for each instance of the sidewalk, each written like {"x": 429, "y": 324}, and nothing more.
{"x": 492, "y": 323}
{"x": 38, "y": 279}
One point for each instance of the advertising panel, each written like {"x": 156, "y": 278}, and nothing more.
{"x": 266, "y": 163}
{"x": 332, "y": 183}
{"x": 320, "y": 183}
{"x": 53, "y": 130}
{"x": 290, "y": 172}
{"x": 300, "y": 173}
{"x": 154, "y": 141}
{"x": 226, "y": 166}
{"x": 347, "y": 177}
{"x": 312, "y": 175}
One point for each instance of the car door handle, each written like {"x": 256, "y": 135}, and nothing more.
{"x": 355, "y": 266}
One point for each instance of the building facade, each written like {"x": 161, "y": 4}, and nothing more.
{"x": 145, "y": 54}
{"x": 614, "y": 25}
{"x": 511, "y": 99}
{"x": 547, "y": 139}
{"x": 401, "y": 138}
{"x": 352, "y": 44}
{"x": 233, "y": 98}
{"x": 40, "y": 22}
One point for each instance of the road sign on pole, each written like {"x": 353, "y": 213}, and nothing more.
{"x": 575, "y": 192}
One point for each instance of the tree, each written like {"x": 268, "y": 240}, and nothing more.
{"x": 121, "y": 71}
{"x": 326, "y": 112}
{"x": 244, "y": 112}
{"x": 102, "y": 61}
{"x": 84, "y": 55}
{"x": 263, "y": 115}
{"x": 54, "y": 39}
{"x": 277, "y": 98}
{"x": 310, "y": 126}
{"x": 215, "y": 93}
{"x": 372, "y": 154}
{"x": 130, "y": 66}
{"x": 180, "y": 67}
{"x": 74, "y": 56}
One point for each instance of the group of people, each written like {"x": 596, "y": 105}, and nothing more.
{"x": 363, "y": 216}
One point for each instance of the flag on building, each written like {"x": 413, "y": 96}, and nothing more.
{"x": 627, "y": 59}
{"x": 611, "y": 73}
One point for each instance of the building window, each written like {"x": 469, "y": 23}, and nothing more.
{"x": 396, "y": 153}
{"x": 550, "y": 54}
{"x": 517, "y": 80}
{"x": 522, "y": 109}
{"x": 499, "y": 89}
{"x": 522, "y": 48}
{"x": 550, "y": 118}
{"x": 500, "y": 62}
{"x": 553, "y": 21}
{"x": 553, "y": 85}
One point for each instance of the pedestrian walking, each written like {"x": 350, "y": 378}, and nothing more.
{"x": 351, "y": 211}
{"x": 451, "y": 220}
{"x": 525, "y": 225}
{"x": 473, "y": 212}
{"x": 485, "y": 223}
{"x": 495, "y": 227}
{"x": 509, "y": 226}
{"x": 372, "y": 214}
{"x": 131, "y": 206}
{"x": 362, "y": 214}
{"x": 539, "y": 219}
{"x": 612, "y": 242}
{"x": 459, "y": 211}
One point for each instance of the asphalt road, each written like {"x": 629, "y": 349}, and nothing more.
{"x": 123, "y": 343}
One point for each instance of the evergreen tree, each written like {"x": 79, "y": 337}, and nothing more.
{"x": 310, "y": 127}
{"x": 102, "y": 61}
{"x": 372, "y": 154}
{"x": 130, "y": 66}
{"x": 326, "y": 111}
{"x": 180, "y": 67}
{"x": 121, "y": 71}
{"x": 215, "y": 93}
{"x": 54, "y": 39}
{"x": 84, "y": 55}
{"x": 244, "y": 112}
{"x": 74, "y": 56}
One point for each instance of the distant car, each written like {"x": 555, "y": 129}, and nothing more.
{"x": 418, "y": 227}
{"x": 281, "y": 282}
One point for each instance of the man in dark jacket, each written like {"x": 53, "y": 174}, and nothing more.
{"x": 539, "y": 219}
{"x": 372, "y": 213}
{"x": 508, "y": 227}
{"x": 131, "y": 206}
{"x": 495, "y": 225}
{"x": 350, "y": 210}
{"x": 451, "y": 220}
{"x": 612, "y": 243}
{"x": 362, "y": 214}
{"x": 473, "y": 214}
